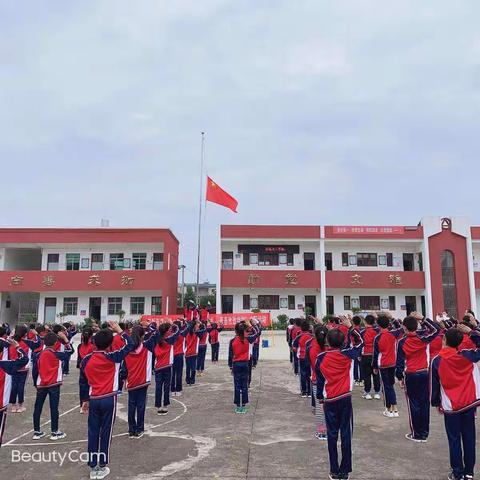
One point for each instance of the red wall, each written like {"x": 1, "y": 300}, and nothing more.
{"x": 270, "y": 278}
{"x": 447, "y": 240}
{"x": 269, "y": 231}
{"x": 371, "y": 279}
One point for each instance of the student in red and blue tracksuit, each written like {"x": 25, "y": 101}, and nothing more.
{"x": 161, "y": 345}
{"x": 296, "y": 330}
{"x": 213, "y": 330}
{"x": 239, "y": 354}
{"x": 47, "y": 373}
{"x": 192, "y": 340}
{"x": 300, "y": 344}
{"x": 357, "y": 366}
{"x": 17, "y": 395}
{"x": 455, "y": 391}
{"x": 288, "y": 333}
{"x": 256, "y": 346}
{"x": 85, "y": 347}
{"x": 178, "y": 359}
{"x": 202, "y": 349}
{"x": 138, "y": 369}
{"x": 369, "y": 332}
{"x": 334, "y": 372}
{"x": 8, "y": 368}
{"x": 100, "y": 371}
{"x": 413, "y": 360}
{"x": 385, "y": 360}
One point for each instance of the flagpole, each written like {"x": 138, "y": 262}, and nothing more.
{"x": 202, "y": 157}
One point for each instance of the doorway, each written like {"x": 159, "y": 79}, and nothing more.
{"x": 311, "y": 305}
{"x": 95, "y": 307}
{"x": 329, "y": 305}
{"x": 50, "y": 312}
{"x": 408, "y": 262}
{"x": 411, "y": 304}
{"x": 424, "y": 309}
{"x": 309, "y": 261}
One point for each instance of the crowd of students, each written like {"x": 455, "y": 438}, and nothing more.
{"x": 112, "y": 356}
{"x": 434, "y": 363}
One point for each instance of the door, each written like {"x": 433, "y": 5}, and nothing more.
{"x": 424, "y": 309}
{"x": 310, "y": 305}
{"x": 328, "y": 261}
{"x": 95, "y": 307}
{"x": 330, "y": 308}
{"x": 227, "y": 303}
{"x": 408, "y": 262}
{"x": 50, "y": 310}
{"x": 411, "y": 304}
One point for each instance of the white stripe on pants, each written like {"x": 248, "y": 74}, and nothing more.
{"x": 319, "y": 413}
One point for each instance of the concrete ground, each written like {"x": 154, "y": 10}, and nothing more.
{"x": 201, "y": 437}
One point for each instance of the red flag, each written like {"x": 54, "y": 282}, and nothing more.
{"x": 216, "y": 194}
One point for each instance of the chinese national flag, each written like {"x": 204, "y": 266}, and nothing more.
{"x": 216, "y": 194}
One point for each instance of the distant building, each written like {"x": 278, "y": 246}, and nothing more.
{"x": 204, "y": 289}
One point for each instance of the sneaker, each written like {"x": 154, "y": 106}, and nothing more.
{"x": 131, "y": 435}
{"x": 304, "y": 395}
{"x": 244, "y": 409}
{"x": 21, "y": 409}
{"x": 345, "y": 476}
{"x": 179, "y": 394}
{"x": 409, "y": 436}
{"x": 57, "y": 435}
{"x": 38, "y": 435}
{"x": 320, "y": 436}
{"x": 367, "y": 396}
{"x": 103, "y": 472}
{"x": 238, "y": 410}
{"x": 93, "y": 473}
{"x": 173, "y": 394}
{"x": 333, "y": 476}
{"x": 377, "y": 396}
{"x": 356, "y": 383}
{"x": 395, "y": 414}
{"x": 162, "y": 411}
{"x": 451, "y": 476}
{"x": 388, "y": 414}
{"x": 139, "y": 435}
{"x": 468, "y": 477}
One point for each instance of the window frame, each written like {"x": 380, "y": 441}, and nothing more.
{"x": 139, "y": 263}
{"x": 76, "y": 262}
{"x": 71, "y": 302}
{"x": 367, "y": 259}
{"x": 138, "y": 302}
{"x": 112, "y": 301}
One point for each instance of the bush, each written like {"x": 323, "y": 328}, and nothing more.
{"x": 281, "y": 323}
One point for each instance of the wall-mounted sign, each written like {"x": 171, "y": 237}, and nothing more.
{"x": 368, "y": 230}
{"x": 291, "y": 279}
{"x": 83, "y": 313}
{"x": 356, "y": 279}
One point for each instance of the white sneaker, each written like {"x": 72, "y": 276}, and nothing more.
{"x": 57, "y": 435}
{"x": 38, "y": 435}
{"x": 367, "y": 396}
{"x": 377, "y": 396}
{"x": 395, "y": 414}
{"x": 179, "y": 394}
{"x": 102, "y": 472}
{"x": 93, "y": 473}
{"x": 173, "y": 394}
{"x": 388, "y": 414}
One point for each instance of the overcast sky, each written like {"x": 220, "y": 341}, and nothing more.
{"x": 316, "y": 112}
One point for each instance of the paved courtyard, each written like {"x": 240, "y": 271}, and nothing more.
{"x": 201, "y": 438}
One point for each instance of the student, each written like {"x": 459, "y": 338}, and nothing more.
{"x": 202, "y": 349}
{"x": 213, "y": 332}
{"x": 333, "y": 370}
{"x": 369, "y": 332}
{"x": 455, "y": 385}
{"x": 178, "y": 359}
{"x": 138, "y": 365}
{"x": 314, "y": 347}
{"x": 385, "y": 360}
{"x": 437, "y": 343}
{"x": 19, "y": 378}
{"x": 295, "y": 331}
{"x": 8, "y": 368}
{"x": 85, "y": 347}
{"x": 300, "y": 345}
{"x": 99, "y": 373}
{"x": 194, "y": 332}
{"x": 47, "y": 373}
{"x": 357, "y": 367}
{"x": 288, "y": 333}
{"x": 413, "y": 359}
{"x": 239, "y": 354}
{"x": 70, "y": 332}
{"x": 256, "y": 346}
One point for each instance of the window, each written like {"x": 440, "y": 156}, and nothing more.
{"x": 137, "y": 305}
{"x": 367, "y": 260}
{"x": 139, "y": 261}
{"x": 97, "y": 261}
{"x": 52, "y": 261}
{"x": 346, "y": 302}
{"x": 345, "y": 259}
{"x": 246, "y": 302}
{"x": 227, "y": 303}
{"x": 389, "y": 259}
{"x": 158, "y": 261}
{"x": 114, "y": 305}
{"x": 449, "y": 284}
{"x": 156, "y": 305}
{"x": 268, "y": 259}
{"x": 391, "y": 303}
{"x": 70, "y": 305}
{"x": 268, "y": 302}
{"x": 408, "y": 265}
{"x": 328, "y": 261}
{"x": 330, "y": 307}
{"x": 116, "y": 261}
{"x": 370, "y": 303}
{"x": 227, "y": 263}
{"x": 291, "y": 302}
{"x": 252, "y": 257}
{"x": 420, "y": 262}
{"x": 73, "y": 261}
{"x": 50, "y": 310}
{"x": 85, "y": 263}
{"x": 309, "y": 261}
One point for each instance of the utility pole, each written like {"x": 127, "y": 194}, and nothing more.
{"x": 182, "y": 293}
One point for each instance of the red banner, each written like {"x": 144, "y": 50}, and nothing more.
{"x": 368, "y": 230}
{"x": 228, "y": 320}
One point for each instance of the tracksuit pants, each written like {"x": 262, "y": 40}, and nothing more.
{"x": 387, "y": 376}
{"x": 339, "y": 420}
{"x": 304, "y": 376}
{"x": 17, "y": 394}
{"x": 101, "y": 418}
{"x": 319, "y": 413}
{"x": 163, "y": 378}
{"x": 250, "y": 363}
{"x": 177, "y": 373}
{"x": 240, "y": 383}
{"x": 137, "y": 402}
{"x": 53, "y": 394}
{"x": 295, "y": 363}
{"x": 83, "y": 392}
{"x": 357, "y": 370}
{"x": 367, "y": 375}
{"x": 460, "y": 429}
{"x": 3, "y": 420}
{"x": 255, "y": 353}
{"x": 215, "y": 351}
{"x": 191, "y": 366}
{"x": 417, "y": 393}
{"x": 202, "y": 353}
{"x": 291, "y": 355}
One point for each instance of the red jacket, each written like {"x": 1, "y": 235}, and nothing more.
{"x": 139, "y": 367}
{"x": 368, "y": 334}
{"x": 385, "y": 348}
{"x": 27, "y": 345}
{"x": 241, "y": 350}
{"x": 313, "y": 351}
{"x": 300, "y": 344}
{"x": 192, "y": 340}
{"x": 7, "y": 369}
{"x": 47, "y": 368}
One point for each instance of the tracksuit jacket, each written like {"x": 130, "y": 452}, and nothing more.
{"x": 138, "y": 364}
{"x": 163, "y": 352}
{"x": 300, "y": 344}
{"x": 47, "y": 370}
{"x": 193, "y": 340}
{"x": 28, "y": 346}
{"x": 7, "y": 369}
{"x": 385, "y": 348}
{"x": 241, "y": 351}
{"x": 213, "y": 334}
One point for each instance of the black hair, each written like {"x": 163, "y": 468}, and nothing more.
{"x": 291, "y": 321}
{"x": 50, "y": 339}
{"x": 454, "y": 337}
{"x": 40, "y": 329}
{"x": 383, "y": 321}
{"x": 305, "y": 326}
{"x": 103, "y": 339}
{"x": 240, "y": 328}
{"x": 20, "y": 332}
{"x": 357, "y": 320}
{"x": 410, "y": 323}
{"x": 87, "y": 335}
{"x": 321, "y": 333}
{"x": 163, "y": 328}
{"x": 369, "y": 319}
{"x": 67, "y": 324}
{"x": 298, "y": 322}
{"x": 335, "y": 320}
{"x": 137, "y": 335}
{"x": 3, "y": 331}
{"x": 122, "y": 325}
{"x": 471, "y": 313}
{"x": 104, "y": 325}
{"x": 32, "y": 326}
{"x": 335, "y": 338}
{"x": 57, "y": 328}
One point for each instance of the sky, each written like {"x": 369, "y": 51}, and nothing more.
{"x": 350, "y": 112}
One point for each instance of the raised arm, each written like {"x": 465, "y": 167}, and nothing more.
{"x": 12, "y": 366}
{"x": 432, "y": 330}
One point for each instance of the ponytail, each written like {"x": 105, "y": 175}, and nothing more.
{"x": 137, "y": 336}
{"x": 87, "y": 335}
{"x": 321, "y": 335}
{"x": 20, "y": 332}
{"x": 240, "y": 328}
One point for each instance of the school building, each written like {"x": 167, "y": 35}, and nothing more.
{"x": 286, "y": 269}
{"x": 68, "y": 274}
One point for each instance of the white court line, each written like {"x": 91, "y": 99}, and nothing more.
{"x": 9, "y": 444}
